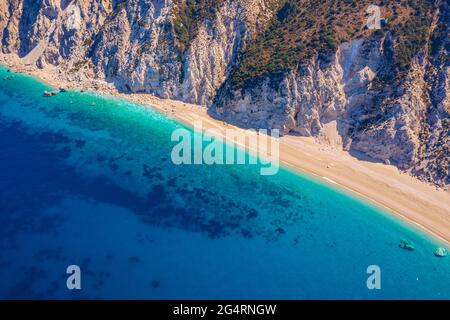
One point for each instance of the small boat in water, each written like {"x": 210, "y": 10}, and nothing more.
{"x": 441, "y": 252}
{"x": 49, "y": 93}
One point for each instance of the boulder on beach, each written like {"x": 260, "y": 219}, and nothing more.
{"x": 406, "y": 244}
{"x": 440, "y": 252}
{"x": 62, "y": 90}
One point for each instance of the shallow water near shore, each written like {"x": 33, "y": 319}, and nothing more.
{"x": 87, "y": 180}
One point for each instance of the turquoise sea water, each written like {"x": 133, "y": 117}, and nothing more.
{"x": 88, "y": 180}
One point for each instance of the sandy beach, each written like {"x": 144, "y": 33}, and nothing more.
{"x": 416, "y": 202}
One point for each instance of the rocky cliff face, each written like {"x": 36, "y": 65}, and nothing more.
{"x": 286, "y": 64}
{"x": 49, "y": 31}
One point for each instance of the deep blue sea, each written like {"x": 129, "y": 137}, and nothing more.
{"x": 87, "y": 180}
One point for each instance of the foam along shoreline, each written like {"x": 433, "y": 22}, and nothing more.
{"x": 418, "y": 203}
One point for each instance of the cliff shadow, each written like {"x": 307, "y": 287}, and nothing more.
{"x": 30, "y": 12}
{"x": 363, "y": 157}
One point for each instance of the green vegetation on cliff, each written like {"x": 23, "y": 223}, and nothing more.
{"x": 303, "y": 28}
{"x": 414, "y": 33}
{"x": 188, "y": 15}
